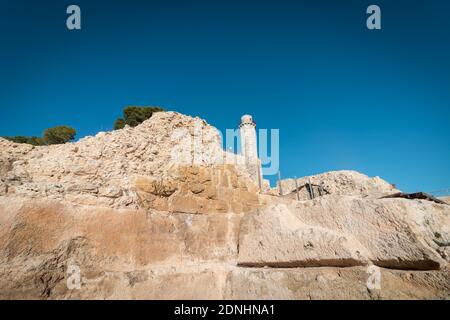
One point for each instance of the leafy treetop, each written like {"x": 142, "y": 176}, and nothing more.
{"x": 55, "y": 135}
{"x": 132, "y": 116}
{"x": 59, "y": 135}
{"x": 135, "y": 115}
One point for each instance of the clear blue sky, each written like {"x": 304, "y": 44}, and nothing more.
{"x": 342, "y": 96}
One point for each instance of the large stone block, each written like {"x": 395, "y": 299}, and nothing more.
{"x": 198, "y": 190}
{"x": 336, "y": 231}
{"x": 276, "y": 237}
{"x": 336, "y": 284}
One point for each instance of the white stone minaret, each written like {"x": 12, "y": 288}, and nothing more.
{"x": 249, "y": 148}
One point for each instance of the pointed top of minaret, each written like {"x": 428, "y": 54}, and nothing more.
{"x": 247, "y": 119}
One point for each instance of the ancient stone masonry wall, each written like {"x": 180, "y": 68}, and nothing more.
{"x": 101, "y": 170}
{"x": 160, "y": 211}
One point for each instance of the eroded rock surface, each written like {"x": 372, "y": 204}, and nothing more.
{"x": 39, "y": 239}
{"x": 344, "y": 182}
{"x": 139, "y": 254}
{"x": 160, "y": 211}
{"x": 102, "y": 169}
{"x": 335, "y": 283}
{"x": 346, "y": 231}
{"x": 199, "y": 190}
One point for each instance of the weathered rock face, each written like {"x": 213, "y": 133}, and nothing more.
{"x": 343, "y": 182}
{"x": 277, "y": 237}
{"x": 202, "y": 190}
{"x": 139, "y": 254}
{"x": 346, "y": 231}
{"x": 45, "y": 237}
{"x": 160, "y": 211}
{"x": 335, "y": 283}
{"x": 101, "y": 170}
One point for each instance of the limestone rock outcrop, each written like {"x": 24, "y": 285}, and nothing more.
{"x": 102, "y": 169}
{"x": 335, "y": 283}
{"x": 346, "y": 231}
{"x": 141, "y": 254}
{"x": 40, "y": 239}
{"x": 344, "y": 182}
{"x": 202, "y": 190}
{"x": 161, "y": 211}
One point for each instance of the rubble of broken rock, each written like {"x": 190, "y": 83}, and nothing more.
{"x": 146, "y": 214}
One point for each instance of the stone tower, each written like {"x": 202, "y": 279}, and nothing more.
{"x": 249, "y": 148}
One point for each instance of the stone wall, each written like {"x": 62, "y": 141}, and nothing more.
{"x": 101, "y": 170}
{"x": 144, "y": 254}
{"x": 157, "y": 211}
{"x": 345, "y": 231}
{"x": 199, "y": 190}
